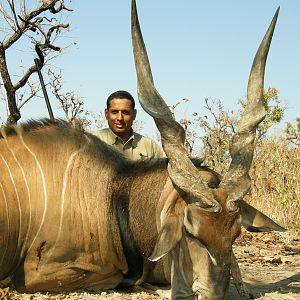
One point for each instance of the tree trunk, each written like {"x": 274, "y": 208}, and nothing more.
{"x": 14, "y": 113}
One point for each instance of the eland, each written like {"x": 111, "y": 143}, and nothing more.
{"x": 76, "y": 215}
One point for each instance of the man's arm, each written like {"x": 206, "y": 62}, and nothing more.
{"x": 157, "y": 150}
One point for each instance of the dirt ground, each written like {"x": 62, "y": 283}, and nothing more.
{"x": 269, "y": 262}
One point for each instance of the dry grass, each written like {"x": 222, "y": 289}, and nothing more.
{"x": 276, "y": 182}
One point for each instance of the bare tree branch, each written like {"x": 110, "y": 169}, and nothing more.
{"x": 70, "y": 102}
{"x": 24, "y": 79}
{"x": 12, "y": 7}
{"x": 28, "y": 24}
{"x": 33, "y": 93}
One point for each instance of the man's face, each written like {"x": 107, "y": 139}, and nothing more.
{"x": 120, "y": 116}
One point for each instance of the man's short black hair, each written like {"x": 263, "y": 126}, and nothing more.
{"x": 120, "y": 95}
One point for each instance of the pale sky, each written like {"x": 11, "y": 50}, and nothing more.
{"x": 197, "y": 49}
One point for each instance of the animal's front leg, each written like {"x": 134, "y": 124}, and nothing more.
{"x": 237, "y": 278}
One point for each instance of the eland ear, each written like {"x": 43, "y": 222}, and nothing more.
{"x": 171, "y": 219}
{"x": 255, "y": 221}
{"x": 168, "y": 237}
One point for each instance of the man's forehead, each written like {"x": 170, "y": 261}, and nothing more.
{"x": 120, "y": 103}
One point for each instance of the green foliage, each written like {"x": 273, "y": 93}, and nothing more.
{"x": 274, "y": 112}
{"x": 293, "y": 132}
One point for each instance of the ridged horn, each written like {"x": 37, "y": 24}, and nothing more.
{"x": 237, "y": 180}
{"x": 181, "y": 170}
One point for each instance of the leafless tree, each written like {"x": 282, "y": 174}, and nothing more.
{"x": 70, "y": 102}
{"x": 37, "y": 25}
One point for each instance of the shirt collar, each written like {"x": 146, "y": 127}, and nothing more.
{"x": 114, "y": 139}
